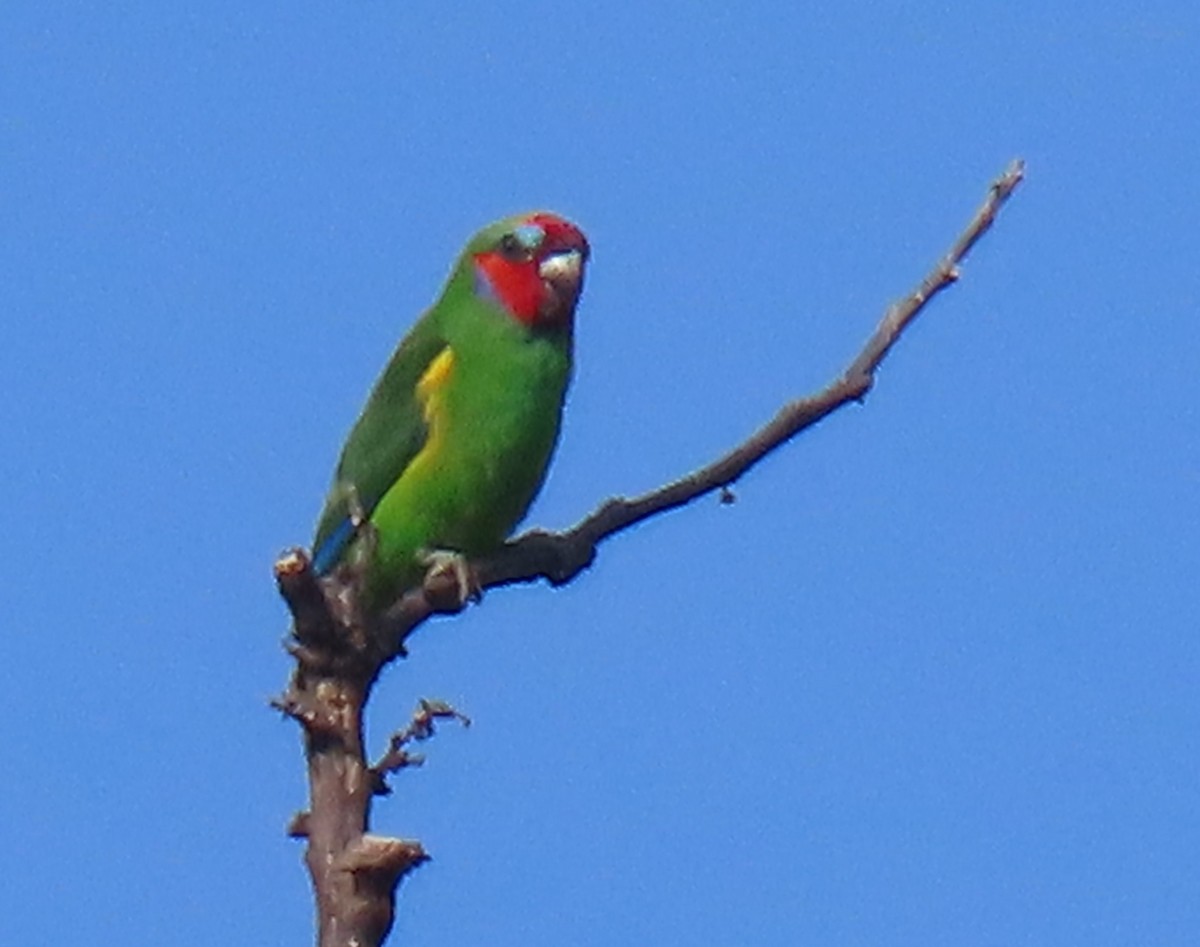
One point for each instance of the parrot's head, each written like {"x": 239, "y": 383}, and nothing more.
{"x": 532, "y": 267}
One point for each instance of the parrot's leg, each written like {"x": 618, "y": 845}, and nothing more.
{"x": 440, "y": 561}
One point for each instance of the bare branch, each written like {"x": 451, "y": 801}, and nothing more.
{"x": 339, "y": 651}
{"x": 559, "y": 557}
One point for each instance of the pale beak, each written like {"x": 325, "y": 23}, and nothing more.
{"x": 565, "y": 267}
{"x": 562, "y": 275}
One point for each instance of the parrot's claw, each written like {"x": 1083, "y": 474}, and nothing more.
{"x": 441, "y": 561}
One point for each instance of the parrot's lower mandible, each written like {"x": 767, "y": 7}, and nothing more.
{"x": 455, "y": 438}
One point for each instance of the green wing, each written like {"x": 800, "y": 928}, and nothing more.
{"x": 388, "y": 434}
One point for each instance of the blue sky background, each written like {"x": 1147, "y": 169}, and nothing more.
{"x": 931, "y": 681}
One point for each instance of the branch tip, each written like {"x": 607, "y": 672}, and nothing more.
{"x": 291, "y": 562}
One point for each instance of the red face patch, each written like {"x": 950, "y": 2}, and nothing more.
{"x": 512, "y": 272}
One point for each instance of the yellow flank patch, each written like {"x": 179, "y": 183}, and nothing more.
{"x": 429, "y": 389}
{"x": 435, "y": 376}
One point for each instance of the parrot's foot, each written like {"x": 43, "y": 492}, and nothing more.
{"x": 447, "y": 561}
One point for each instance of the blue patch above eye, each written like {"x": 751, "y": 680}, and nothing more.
{"x": 530, "y": 236}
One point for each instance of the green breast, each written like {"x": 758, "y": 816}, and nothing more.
{"x": 493, "y": 415}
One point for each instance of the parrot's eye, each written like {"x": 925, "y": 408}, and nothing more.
{"x": 511, "y": 247}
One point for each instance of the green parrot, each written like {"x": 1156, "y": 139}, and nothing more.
{"x": 456, "y": 436}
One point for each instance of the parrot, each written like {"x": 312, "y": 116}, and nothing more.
{"x": 456, "y": 436}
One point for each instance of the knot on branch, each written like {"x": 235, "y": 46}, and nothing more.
{"x": 297, "y": 826}
{"x": 382, "y": 858}
{"x": 327, "y": 708}
{"x": 378, "y": 864}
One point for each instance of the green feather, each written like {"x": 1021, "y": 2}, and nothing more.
{"x": 448, "y": 458}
